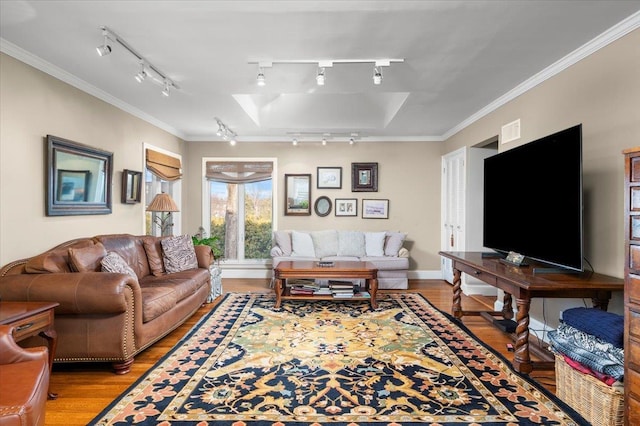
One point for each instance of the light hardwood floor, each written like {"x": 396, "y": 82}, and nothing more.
{"x": 86, "y": 389}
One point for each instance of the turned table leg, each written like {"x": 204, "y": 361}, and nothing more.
{"x": 456, "y": 309}
{"x": 522, "y": 358}
{"x": 278, "y": 290}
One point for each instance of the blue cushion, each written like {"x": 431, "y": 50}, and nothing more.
{"x": 605, "y": 325}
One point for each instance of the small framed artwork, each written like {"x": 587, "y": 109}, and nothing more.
{"x": 329, "y": 178}
{"x": 131, "y": 186}
{"x": 297, "y": 189}
{"x": 322, "y": 206}
{"x": 346, "y": 207}
{"x": 375, "y": 209}
{"x": 364, "y": 177}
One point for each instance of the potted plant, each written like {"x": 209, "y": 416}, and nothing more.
{"x": 214, "y": 242}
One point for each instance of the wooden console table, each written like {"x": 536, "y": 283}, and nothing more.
{"x": 309, "y": 269}
{"x": 31, "y": 319}
{"x": 524, "y": 285}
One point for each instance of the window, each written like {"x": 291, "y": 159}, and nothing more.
{"x": 162, "y": 174}
{"x": 239, "y": 209}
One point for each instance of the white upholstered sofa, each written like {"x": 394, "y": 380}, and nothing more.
{"x": 383, "y": 249}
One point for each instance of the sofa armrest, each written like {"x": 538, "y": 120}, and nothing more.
{"x": 403, "y": 252}
{"x": 205, "y": 256}
{"x": 77, "y": 293}
{"x": 276, "y": 251}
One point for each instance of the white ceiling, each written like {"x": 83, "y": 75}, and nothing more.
{"x": 461, "y": 58}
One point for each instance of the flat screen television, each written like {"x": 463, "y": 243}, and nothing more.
{"x": 533, "y": 200}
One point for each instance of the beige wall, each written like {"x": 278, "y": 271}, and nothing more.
{"x": 603, "y": 93}
{"x": 34, "y": 104}
{"x": 408, "y": 176}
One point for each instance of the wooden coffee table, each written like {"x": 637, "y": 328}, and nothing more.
{"x": 344, "y": 270}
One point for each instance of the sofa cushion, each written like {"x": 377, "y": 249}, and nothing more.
{"x": 86, "y": 259}
{"x": 394, "y": 243}
{"x": 374, "y": 243}
{"x": 153, "y": 248}
{"x": 283, "y": 240}
{"x": 302, "y": 244}
{"x": 178, "y": 254}
{"x": 156, "y": 300}
{"x": 351, "y": 243}
{"x": 113, "y": 262}
{"x": 325, "y": 243}
{"x": 388, "y": 262}
{"x": 184, "y": 283}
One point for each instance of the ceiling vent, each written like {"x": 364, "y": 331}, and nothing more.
{"x": 510, "y": 131}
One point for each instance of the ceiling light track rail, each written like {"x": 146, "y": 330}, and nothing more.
{"x": 160, "y": 77}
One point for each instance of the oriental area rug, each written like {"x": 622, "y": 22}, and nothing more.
{"x": 333, "y": 363}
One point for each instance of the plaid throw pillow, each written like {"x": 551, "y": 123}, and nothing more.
{"x": 179, "y": 254}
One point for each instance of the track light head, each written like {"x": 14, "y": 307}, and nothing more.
{"x": 104, "y": 49}
{"x": 232, "y": 142}
{"x": 260, "y": 80}
{"x": 377, "y": 75}
{"x": 324, "y": 141}
{"x": 142, "y": 74}
{"x": 165, "y": 90}
{"x": 294, "y": 142}
{"x": 351, "y": 141}
{"x": 320, "y": 77}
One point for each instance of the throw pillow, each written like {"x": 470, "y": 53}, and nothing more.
{"x": 178, "y": 254}
{"x": 302, "y": 244}
{"x": 325, "y": 243}
{"x": 351, "y": 243}
{"x": 374, "y": 243}
{"x": 283, "y": 240}
{"x": 113, "y": 262}
{"x": 48, "y": 262}
{"x": 153, "y": 249}
{"x": 86, "y": 259}
{"x": 394, "y": 243}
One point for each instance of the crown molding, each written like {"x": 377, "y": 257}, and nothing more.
{"x": 56, "y": 72}
{"x": 609, "y": 36}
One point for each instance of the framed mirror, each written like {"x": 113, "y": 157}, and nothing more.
{"x": 131, "y": 186}
{"x": 322, "y": 206}
{"x": 297, "y": 189}
{"x": 78, "y": 178}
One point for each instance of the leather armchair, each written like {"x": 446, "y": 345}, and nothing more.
{"x": 24, "y": 382}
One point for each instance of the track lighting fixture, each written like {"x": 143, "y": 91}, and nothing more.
{"x": 142, "y": 74}
{"x": 324, "y": 141}
{"x": 377, "y": 75}
{"x": 327, "y": 63}
{"x": 165, "y": 90}
{"x": 104, "y": 49}
{"x": 225, "y": 133}
{"x": 351, "y": 141}
{"x": 294, "y": 142}
{"x": 320, "y": 76}
{"x": 260, "y": 79}
{"x": 146, "y": 68}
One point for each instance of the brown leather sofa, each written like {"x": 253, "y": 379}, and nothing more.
{"x": 24, "y": 382}
{"x": 102, "y": 316}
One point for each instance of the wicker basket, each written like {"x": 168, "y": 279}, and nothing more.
{"x": 598, "y": 403}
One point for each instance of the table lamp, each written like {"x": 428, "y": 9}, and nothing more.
{"x": 163, "y": 203}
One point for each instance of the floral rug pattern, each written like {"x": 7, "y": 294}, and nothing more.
{"x": 338, "y": 363}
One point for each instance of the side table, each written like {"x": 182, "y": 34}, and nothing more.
{"x": 216, "y": 282}
{"x": 31, "y": 319}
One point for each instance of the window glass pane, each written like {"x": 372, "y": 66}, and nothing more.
{"x": 258, "y": 218}
{"x": 219, "y": 201}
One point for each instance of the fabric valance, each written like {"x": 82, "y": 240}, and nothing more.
{"x": 239, "y": 171}
{"x": 163, "y": 166}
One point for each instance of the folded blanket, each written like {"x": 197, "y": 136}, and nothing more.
{"x": 608, "y": 380}
{"x": 599, "y": 356}
{"x": 605, "y": 325}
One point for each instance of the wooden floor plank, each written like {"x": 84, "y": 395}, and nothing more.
{"x": 86, "y": 389}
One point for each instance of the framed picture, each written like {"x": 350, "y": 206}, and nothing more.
{"x": 329, "y": 178}
{"x": 364, "y": 177}
{"x": 322, "y": 206}
{"x": 346, "y": 207}
{"x": 297, "y": 189}
{"x": 131, "y": 186}
{"x": 375, "y": 209}
{"x": 78, "y": 178}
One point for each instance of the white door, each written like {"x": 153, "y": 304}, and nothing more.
{"x": 453, "y": 207}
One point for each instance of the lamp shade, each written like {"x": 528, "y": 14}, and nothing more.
{"x": 163, "y": 203}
